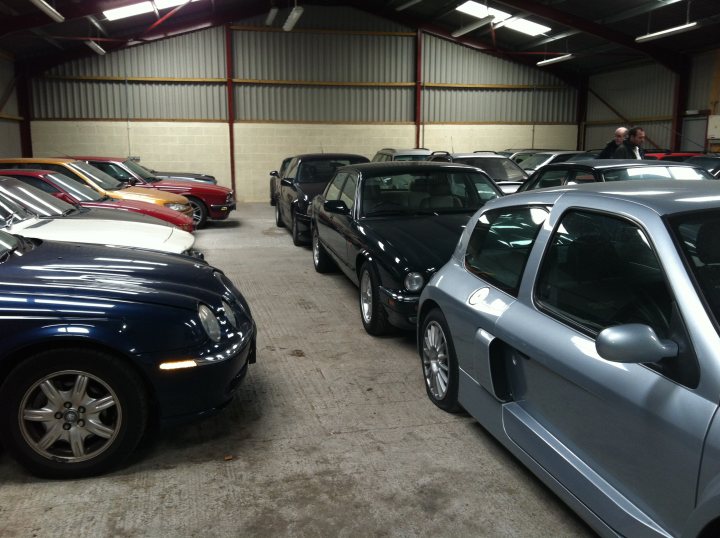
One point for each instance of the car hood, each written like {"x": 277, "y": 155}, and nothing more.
{"x": 198, "y": 189}
{"x": 115, "y": 275}
{"x": 142, "y": 194}
{"x": 106, "y": 232}
{"x": 423, "y": 242}
{"x": 186, "y": 176}
{"x": 104, "y": 211}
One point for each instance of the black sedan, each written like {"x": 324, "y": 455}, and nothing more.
{"x": 390, "y": 226}
{"x": 306, "y": 177}
{"x": 590, "y": 171}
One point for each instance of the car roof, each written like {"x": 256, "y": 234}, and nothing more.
{"x": 394, "y": 167}
{"x": 483, "y": 155}
{"x": 665, "y": 197}
{"x": 328, "y": 156}
{"x": 34, "y": 160}
{"x": 26, "y": 171}
{"x": 408, "y": 151}
{"x": 602, "y": 164}
{"x": 104, "y": 159}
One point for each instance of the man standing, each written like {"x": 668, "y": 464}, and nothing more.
{"x": 615, "y": 143}
{"x": 630, "y": 148}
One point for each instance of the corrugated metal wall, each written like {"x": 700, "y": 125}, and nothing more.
{"x": 9, "y": 125}
{"x": 544, "y": 98}
{"x": 704, "y": 67}
{"x": 596, "y": 136}
{"x": 355, "y": 78}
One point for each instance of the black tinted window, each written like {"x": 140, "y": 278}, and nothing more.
{"x": 500, "y": 245}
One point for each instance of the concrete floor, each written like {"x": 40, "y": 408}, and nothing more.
{"x": 330, "y": 435}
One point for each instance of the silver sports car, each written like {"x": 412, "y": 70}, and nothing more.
{"x": 580, "y": 326}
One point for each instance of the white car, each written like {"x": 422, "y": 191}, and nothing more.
{"x": 30, "y": 212}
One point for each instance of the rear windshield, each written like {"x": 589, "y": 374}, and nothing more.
{"x": 321, "y": 171}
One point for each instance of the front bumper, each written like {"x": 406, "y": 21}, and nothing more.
{"x": 221, "y": 211}
{"x": 401, "y": 309}
{"x": 190, "y": 393}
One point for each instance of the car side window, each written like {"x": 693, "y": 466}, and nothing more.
{"x": 500, "y": 244}
{"x": 113, "y": 170}
{"x": 332, "y": 191}
{"x": 601, "y": 270}
{"x": 347, "y": 194}
{"x": 292, "y": 170}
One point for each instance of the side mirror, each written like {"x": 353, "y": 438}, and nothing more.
{"x": 132, "y": 181}
{"x": 336, "y": 206}
{"x": 633, "y": 343}
{"x": 287, "y": 181}
{"x": 274, "y": 173}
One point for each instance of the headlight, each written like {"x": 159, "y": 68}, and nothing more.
{"x": 230, "y": 315}
{"x": 177, "y": 207}
{"x": 209, "y": 322}
{"x": 229, "y": 197}
{"x": 414, "y": 282}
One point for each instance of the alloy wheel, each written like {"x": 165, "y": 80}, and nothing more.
{"x": 435, "y": 360}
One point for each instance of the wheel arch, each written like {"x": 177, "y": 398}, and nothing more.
{"x": 427, "y": 306}
{"x": 10, "y": 361}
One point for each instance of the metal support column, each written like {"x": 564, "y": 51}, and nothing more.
{"x": 230, "y": 102}
{"x": 418, "y": 87}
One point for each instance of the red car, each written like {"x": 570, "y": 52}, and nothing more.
{"x": 75, "y": 192}
{"x": 679, "y": 156}
{"x": 208, "y": 201}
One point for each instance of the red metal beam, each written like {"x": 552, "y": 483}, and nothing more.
{"x": 230, "y": 102}
{"x": 165, "y": 17}
{"x": 669, "y": 59}
{"x": 418, "y": 87}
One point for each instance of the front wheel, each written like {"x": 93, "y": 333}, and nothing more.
{"x": 278, "y": 217}
{"x": 199, "y": 212}
{"x": 72, "y": 413}
{"x": 321, "y": 259}
{"x": 373, "y": 314}
{"x": 439, "y": 362}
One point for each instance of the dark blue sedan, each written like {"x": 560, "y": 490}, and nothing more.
{"x": 98, "y": 342}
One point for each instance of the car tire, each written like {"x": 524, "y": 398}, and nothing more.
{"x": 439, "y": 362}
{"x": 199, "y": 212}
{"x": 72, "y": 413}
{"x": 321, "y": 259}
{"x": 272, "y": 196}
{"x": 372, "y": 313}
{"x": 278, "y": 217}
{"x": 295, "y": 232}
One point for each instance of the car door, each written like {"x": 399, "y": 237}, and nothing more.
{"x": 287, "y": 191}
{"x": 327, "y": 221}
{"x": 625, "y": 439}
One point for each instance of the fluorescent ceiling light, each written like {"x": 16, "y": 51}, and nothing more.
{"x": 473, "y": 26}
{"x": 667, "y": 32}
{"x": 292, "y": 19}
{"x": 164, "y": 4}
{"x": 94, "y": 46}
{"x": 48, "y": 10}
{"x": 480, "y": 11}
{"x": 557, "y": 59}
{"x": 271, "y": 16}
{"x": 501, "y": 18}
{"x": 407, "y": 4}
{"x": 527, "y": 27}
{"x": 128, "y": 11}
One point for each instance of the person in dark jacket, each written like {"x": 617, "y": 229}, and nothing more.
{"x": 615, "y": 143}
{"x": 630, "y": 148}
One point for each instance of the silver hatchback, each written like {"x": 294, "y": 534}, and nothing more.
{"x": 579, "y": 326}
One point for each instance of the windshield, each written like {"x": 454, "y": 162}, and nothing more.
{"x": 697, "y": 235}
{"x": 99, "y": 177}
{"x": 76, "y": 189}
{"x": 655, "y": 172}
{"x": 426, "y": 192}
{"x": 535, "y": 161}
{"x": 498, "y": 168}
{"x": 11, "y": 212}
{"x": 140, "y": 170}
{"x": 319, "y": 171}
{"x": 35, "y": 201}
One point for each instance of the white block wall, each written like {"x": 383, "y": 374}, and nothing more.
{"x": 260, "y": 147}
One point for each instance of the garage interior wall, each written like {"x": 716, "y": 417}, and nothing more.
{"x": 343, "y": 80}
{"x": 9, "y": 116}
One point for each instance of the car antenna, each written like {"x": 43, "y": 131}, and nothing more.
{"x": 452, "y": 145}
